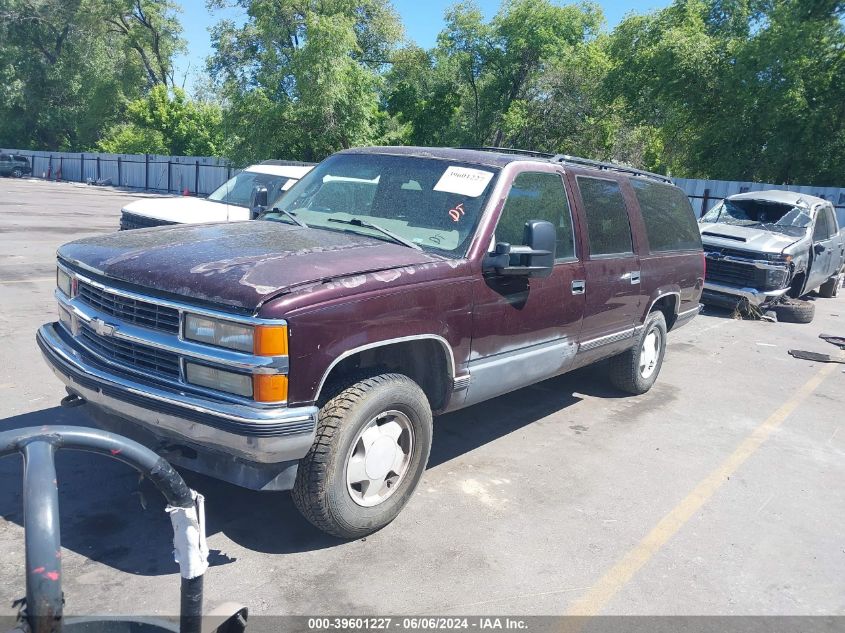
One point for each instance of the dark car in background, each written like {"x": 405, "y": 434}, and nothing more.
{"x": 14, "y": 165}
{"x": 310, "y": 349}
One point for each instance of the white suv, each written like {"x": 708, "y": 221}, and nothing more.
{"x": 239, "y": 198}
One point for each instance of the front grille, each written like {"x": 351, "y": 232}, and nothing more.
{"x": 131, "y": 355}
{"x": 130, "y": 221}
{"x": 735, "y": 274}
{"x": 143, "y": 313}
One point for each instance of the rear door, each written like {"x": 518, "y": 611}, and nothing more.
{"x": 525, "y": 330}
{"x": 612, "y": 268}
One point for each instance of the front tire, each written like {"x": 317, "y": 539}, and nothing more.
{"x": 830, "y": 288}
{"x": 372, "y": 447}
{"x": 795, "y": 311}
{"x": 17, "y": 172}
{"x": 636, "y": 370}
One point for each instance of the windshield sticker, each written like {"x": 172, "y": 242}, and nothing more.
{"x": 457, "y": 212}
{"x": 464, "y": 181}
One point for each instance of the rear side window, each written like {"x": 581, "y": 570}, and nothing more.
{"x": 607, "y": 216}
{"x": 537, "y": 196}
{"x": 669, "y": 219}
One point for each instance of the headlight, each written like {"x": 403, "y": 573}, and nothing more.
{"x": 230, "y": 382}
{"x": 64, "y": 282}
{"x": 262, "y": 340}
{"x": 779, "y": 258}
{"x": 218, "y": 332}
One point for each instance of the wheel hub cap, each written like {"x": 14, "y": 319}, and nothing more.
{"x": 379, "y": 458}
{"x": 649, "y": 353}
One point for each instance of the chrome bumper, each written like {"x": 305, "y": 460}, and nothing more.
{"x": 754, "y": 296}
{"x": 224, "y": 433}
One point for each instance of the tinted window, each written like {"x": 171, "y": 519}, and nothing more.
{"x": 668, "y": 216}
{"x": 821, "y": 230}
{"x": 607, "y": 216}
{"x": 537, "y": 196}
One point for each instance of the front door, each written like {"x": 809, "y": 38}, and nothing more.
{"x": 612, "y": 268}
{"x": 526, "y": 329}
{"x": 823, "y": 259}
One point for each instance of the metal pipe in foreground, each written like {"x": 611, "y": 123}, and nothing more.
{"x": 42, "y": 537}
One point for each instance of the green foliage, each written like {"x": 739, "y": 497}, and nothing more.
{"x": 734, "y": 89}
{"x": 166, "y": 122}
{"x": 308, "y": 73}
{"x": 745, "y": 89}
{"x": 66, "y": 71}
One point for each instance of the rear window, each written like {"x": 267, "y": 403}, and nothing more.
{"x": 607, "y": 216}
{"x": 669, "y": 219}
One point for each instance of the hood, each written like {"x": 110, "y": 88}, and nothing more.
{"x": 239, "y": 264}
{"x": 183, "y": 209}
{"x": 745, "y": 237}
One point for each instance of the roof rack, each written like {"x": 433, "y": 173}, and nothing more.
{"x": 286, "y": 163}
{"x": 597, "y": 164}
{"x": 509, "y": 150}
{"x": 573, "y": 160}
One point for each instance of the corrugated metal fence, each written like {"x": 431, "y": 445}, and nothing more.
{"x": 703, "y": 194}
{"x": 201, "y": 175}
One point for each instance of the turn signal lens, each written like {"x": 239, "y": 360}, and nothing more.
{"x": 270, "y": 387}
{"x": 270, "y": 340}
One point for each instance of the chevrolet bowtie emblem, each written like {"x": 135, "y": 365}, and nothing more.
{"x": 102, "y": 328}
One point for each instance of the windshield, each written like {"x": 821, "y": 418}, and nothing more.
{"x": 771, "y": 216}
{"x": 240, "y": 190}
{"x": 433, "y": 203}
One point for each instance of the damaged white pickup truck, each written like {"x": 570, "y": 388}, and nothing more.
{"x": 771, "y": 247}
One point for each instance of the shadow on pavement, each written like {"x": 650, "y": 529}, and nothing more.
{"x": 109, "y": 516}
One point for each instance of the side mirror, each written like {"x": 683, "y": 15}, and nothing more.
{"x": 818, "y": 249}
{"x": 536, "y": 258}
{"x": 259, "y": 200}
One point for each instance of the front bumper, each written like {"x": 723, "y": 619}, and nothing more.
{"x": 254, "y": 447}
{"x": 729, "y": 296}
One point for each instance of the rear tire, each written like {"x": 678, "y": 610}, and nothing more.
{"x": 830, "y": 288}
{"x": 795, "y": 311}
{"x": 354, "y": 481}
{"x": 17, "y": 172}
{"x": 636, "y": 370}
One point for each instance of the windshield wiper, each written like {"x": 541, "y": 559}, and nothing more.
{"x": 289, "y": 214}
{"x": 370, "y": 225}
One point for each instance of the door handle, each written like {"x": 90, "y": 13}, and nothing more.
{"x": 635, "y": 277}
{"x": 579, "y": 287}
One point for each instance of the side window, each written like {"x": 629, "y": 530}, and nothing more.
{"x": 607, "y": 216}
{"x": 537, "y": 196}
{"x": 831, "y": 221}
{"x": 669, "y": 219}
{"x": 821, "y": 231}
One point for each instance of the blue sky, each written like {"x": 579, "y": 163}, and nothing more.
{"x": 422, "y": 19}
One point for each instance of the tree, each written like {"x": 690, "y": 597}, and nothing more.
{"x": 66, "y": 74}
{"x": 302, "y": 79}
{"x": 483, "y": 82}
{"x": 166, "y": 122}
{"x": 738, "y": 89}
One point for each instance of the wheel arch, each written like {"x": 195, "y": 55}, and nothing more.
{"x": 667, "y": 301}
{"x": 409, "y": 355}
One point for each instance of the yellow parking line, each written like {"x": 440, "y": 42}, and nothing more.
{"x": 28, "y": 281}
{"x": 606, "y": 588}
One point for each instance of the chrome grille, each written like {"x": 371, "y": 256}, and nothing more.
{"x": 149, "y": 315}
{"x": 132, "y": 355}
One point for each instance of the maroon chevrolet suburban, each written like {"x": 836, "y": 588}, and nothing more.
{"x": 309, "y": 350}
